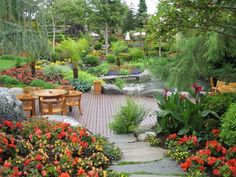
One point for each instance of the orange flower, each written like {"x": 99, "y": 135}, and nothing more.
{"x": 64, "y": 175}
{"x": 44, "y": 173}
{"x": 1, "y": 150}
{"x": 81, "y": 171}
{"x": 172, "y": 136}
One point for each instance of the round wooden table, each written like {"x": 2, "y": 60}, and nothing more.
{"x": 50, "y": 93}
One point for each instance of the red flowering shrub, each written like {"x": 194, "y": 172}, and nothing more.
{"x": 214, "y": 158}
{"x": 39, "y": 147}
{"x": 23, "y": 74}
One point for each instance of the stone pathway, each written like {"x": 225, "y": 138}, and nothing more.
{"x": 141, "y": 160}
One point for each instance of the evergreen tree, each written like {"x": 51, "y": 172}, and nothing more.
{"x": 142, "y": 13}
{"x": 129, "y": 21}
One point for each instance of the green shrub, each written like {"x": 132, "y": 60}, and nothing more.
{"x": 136, "y": 53}
{"x": 55, "y": 70}
{"x": 228, "y": 127}
{"x": 119, "y": 83}
{"x": 128, "y": 118}
{"x": 126, "y": 56}
{"x": 41, "y": 83}
{"x": 124, "y": 72}
{"x": 91, "y": 60}
{"x": 82, "y": 86}
{"x": 218, "y": 103}
{"x": 9, "y": 81}
{"x": 98, "y": 46}
{"x": 102, "y": 69}
{"x": 111, "y": 58}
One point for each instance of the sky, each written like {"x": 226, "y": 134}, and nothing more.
{"x": 151, "y": 4}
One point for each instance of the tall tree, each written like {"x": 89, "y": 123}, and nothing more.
{"x": 142, "y": 13}
{"x": 129, "y": 21}
{"x": 107, "y": 14}
{"x": 23, "y": 29}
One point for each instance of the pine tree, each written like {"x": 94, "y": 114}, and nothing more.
{"x": 129, "y": 21}
{"x": 142, "y": 13}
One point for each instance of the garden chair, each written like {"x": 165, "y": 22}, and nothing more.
{"x": 28, "y": 103}
{"x": 52, "y": 106}
{"x": 233, "y": 84}
{"x": 226, "y": 89}
{"x": 65, "y": 87}
{"x": 73, "y": 98}
{"x": 30, "y": 90}
{"x": 218, "y": 84}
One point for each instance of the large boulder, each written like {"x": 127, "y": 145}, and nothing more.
{"x": 111, "y": 89}
{"x": 16, "y": 91}
{"x": 10, "y": 107}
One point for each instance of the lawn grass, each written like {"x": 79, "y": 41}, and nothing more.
{"x": 5, "y": 64}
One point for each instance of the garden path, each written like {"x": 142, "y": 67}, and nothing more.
{"x": 141, "y": 160}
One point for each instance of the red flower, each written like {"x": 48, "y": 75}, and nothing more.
{"x": 1, "y": 150}
{"x": 197, "y": 88}
{"x": 215, "y": 132}
{"x": 43, "y": 173}
{"x": 7, "y": 164}
{"x": 18, "y": 125}
{"x": 48, "y": 135}
{"x": 38, "y": 157}
{"x": 185, "y": 165}
{"x": 216, "y": 172}
{"x": 38, "y": 131}
{"x": 62, "y": 134}
{"x": 211, "y": 160}
{"x": 83, "y": 133}
{"x": 172, "y": 136}
{"x": 204, "y": 152}
{"x": 39, "y": 166}
{"x": 27, "y": 162}
{"x": 81, "y": 171}
{"x": 233, "y": 169}
{"x": 8, "y": 124}
{"x": 64, "y": 175}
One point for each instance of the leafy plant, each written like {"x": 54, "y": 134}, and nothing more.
{"x": 136, "y": 54}
{"x": 9, "y": 81}
{"x": 55, "y": 70}
{"x": 91, "y": 60}
{"x": 153, "y": 141}
{"x": 98, "y": 46}
{"x": 124, "y": 72}
{"x": 228, "y": 126}
{"x": 118, "y": 47}
{"x": 218, "y": 103}
{"x": 111, "y": 58}
{"x": 41, "y": 83}
{"x": 119, "y": 83}
{"x": 128, "y": 117}
{"x": 102, "y": 69}
{"x": 181, "y": 115}
{"x": 82, "y": 86}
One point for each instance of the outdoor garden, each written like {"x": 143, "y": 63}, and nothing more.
{"x": 186, "y": 51}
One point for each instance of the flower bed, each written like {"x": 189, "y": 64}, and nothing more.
{"x": 39, "y": 147}
{"x": 23, "y": 74}
{"x": 213, "y": 159}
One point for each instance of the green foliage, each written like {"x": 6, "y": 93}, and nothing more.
{"x": 98, "y": 46}
{"x": 72, "y": 49}
{"x": 136, "y": 54}
{"x": 9, "y": 81}
{"x": 119, "y": 83}
{"x": 111, "y": 58}
{"x": 118, "y": 48}
{"x": 154, "y": 141}
{"x": 102, "y": 69}
{"x": 42, "y": 84}
{"x": 55, "y": 70}
{"x": 178, "y": 114}
{"x": 218, "y": 103}
{"x": 128, "y": 118}
{"x": 124, "y": 72}
{"x": 12, "y": 60}
{"x": 82, "y": 86}
{"x": 228, "y": 126}
{"x": 91, "y": 60}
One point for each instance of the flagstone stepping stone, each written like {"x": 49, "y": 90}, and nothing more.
{"x": 64, "y": 119}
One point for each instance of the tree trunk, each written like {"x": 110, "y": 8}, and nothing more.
{"x": 33, "y": 70}
{"x": 75, "y": 71}
{"x": 118, "y": 61}
{"x": 54, "y": 34}
{"x": 106, "y": 39}
{"x": 159, "y": 48}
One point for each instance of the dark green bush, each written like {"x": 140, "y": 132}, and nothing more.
{"x": 218, "y": 103}
{"x": 98, "y": 46}
{"x": 228, "y": 127}
{"x": 128, "y": 118}
{"x": 136, "y": 54}
{"x": 82, "y": 86}
{"x": 111, "y": 58}
{"x": 41, "y": 83}
{"x": 9, "y": 81}
{"x": 91, "y": 60}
